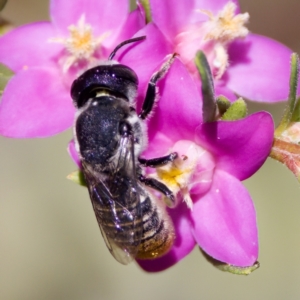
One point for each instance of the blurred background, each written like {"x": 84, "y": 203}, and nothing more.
{"x": 50, "y": 244}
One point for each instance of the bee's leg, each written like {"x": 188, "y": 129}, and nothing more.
{"x": 157, "y": 185}
{"x": 151, "y": 90}
{"x": 158, "y": 161}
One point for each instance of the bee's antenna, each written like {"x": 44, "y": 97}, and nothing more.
{"x": 140, "y": 38}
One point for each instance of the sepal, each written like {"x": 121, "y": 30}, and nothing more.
{"x": 77, "y": 177}
{"x": 5, "y": 75}
{"x": 146, "y": 5}
{"x": 230, "y": 268}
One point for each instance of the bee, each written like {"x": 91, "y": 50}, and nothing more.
{"x": 109, "y": 136}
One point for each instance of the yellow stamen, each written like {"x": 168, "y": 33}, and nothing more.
{"x": 81, "y": 44}
{"x": 176, "y": 176}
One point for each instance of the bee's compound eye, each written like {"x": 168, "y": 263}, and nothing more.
{"x": 125, "y": 129}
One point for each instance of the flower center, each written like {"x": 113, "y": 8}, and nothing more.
{"x": 226, "y": 26}
{"x": 81, "y": 43}
{"x": 213, "y": 37}
{"x": 190, "y": 173}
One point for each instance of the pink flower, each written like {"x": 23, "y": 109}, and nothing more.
{"x": 246, "y": 64}
{"x": 222, "y": 220}
{"x": 48, "y": 56}
{"x": 215, "y": 210}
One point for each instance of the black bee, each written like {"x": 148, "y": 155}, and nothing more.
{"x": 109, "y": 136}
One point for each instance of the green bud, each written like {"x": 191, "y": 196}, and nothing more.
{"x": 223, "y": 104}
{"x": 237, "y": 111}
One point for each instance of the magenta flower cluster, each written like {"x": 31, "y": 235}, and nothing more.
{"x": 47, "y": 56}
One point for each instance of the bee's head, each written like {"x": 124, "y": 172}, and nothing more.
{"x": 116, "y": 79}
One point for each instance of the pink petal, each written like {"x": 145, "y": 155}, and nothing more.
{"x": 240, "y": 147}
{"x": 259, "y": 69}
{"x": 134, "y": 22}
{"x": 179, "y": 108}
{"x": 102, "y": 15}
{"x": 145, "y": 57}
{"x": 29, "y": 46}
{"x": 225, "y": 222}
{"x": 172, "y": 17}
{"x": 183, "y": 245}
{"x": 35, "y": 104}
{"x": 159, "y": 145}
{"x": 224, "y": 91}
{"x": 73, "y": 153}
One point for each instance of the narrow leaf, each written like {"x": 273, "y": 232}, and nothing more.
{"x": 208, "y": 92}
{"x": 296, "y": 112}
{"x": 288, "y": 113}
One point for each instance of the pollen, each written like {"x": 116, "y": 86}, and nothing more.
{"x": 226, "y": 26}
{"x": 177, "y": 177}
{"x": 81, "y": 44}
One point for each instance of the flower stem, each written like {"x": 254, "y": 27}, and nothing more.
{"x": 288, "y": 154}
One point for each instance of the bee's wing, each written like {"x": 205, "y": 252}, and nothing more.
{"x": 116, "y": 203}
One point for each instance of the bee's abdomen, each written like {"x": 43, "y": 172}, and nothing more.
{"x": 120, "y": 221}
{"x": 158, "y": 231}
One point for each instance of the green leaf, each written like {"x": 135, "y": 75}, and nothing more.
{"x": 77, "y": 177}
{"x": 208, "y": 92}
{"x": 237, "y": 111}
{"x": 289, "y": 110}
{"x": 5, "y": 75}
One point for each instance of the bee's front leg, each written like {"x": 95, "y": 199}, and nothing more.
{"x": 151, "y": 93}
{"x": 158, "y": 161}
{"x": 159, "y": 186}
